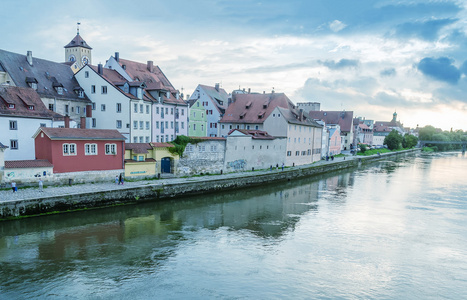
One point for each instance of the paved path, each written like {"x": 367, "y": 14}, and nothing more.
{"x": 34, "y": 192}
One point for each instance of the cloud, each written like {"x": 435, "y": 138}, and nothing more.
{"x": 389, "y": 72}
{"x": 341, "y": 64}
{"x": 463, "y": 68}
{"x": 337, "y": 26}
{"x": 440, "y": 69}
{"x": 428, "y": 30}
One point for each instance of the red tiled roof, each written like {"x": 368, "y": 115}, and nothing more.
{"x": 248, "y": 107}
{"x": 114, "y": 78}
{"x": 38, "y": 163}
{"x": 139, "y": 148}
{"x": 162, "y": 145}
{"x": 255, "y": 134}
{"x": 343, "y": 118}
{"x": 81, "y": 134}
{"x": 22, "y": 98}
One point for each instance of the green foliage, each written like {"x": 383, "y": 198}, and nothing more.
{"x": 374, "y": 151}
{"x": 393, "y": 140}
{"x": 180, "y": 144}
{"x": 429, "y": 133}
{"x": 428, "y": 149}
{"x": 363, "y": 148}
{"x": 409, "y": 141}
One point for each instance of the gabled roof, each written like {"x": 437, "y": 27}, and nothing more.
{"x": 254, "y": 134}
{"x": 254, "y": 108}
{"x": 45, "y": 73}
{"x": 112, "y": 77}
{"x": 78, "y": 41}
{"x": 138, "y": 148}
{"x": 217, "y": 96}
{"x": 154, "y": 80}
{"x": 3, "y": 146}
{"x": 80, "y": 134}
{"x": 342, "y": 118}
{"x": 209, "y": 138}
{"x": 23, "y": 99}
{"x": 38, "y": 163}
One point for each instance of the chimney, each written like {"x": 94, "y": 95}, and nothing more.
{"x": 117, "y": 56}
{"x": 150, "y": 66}
{"x": 249, "y": 90}
{"x": 29, "y": 57}
{"x": 67, "y": 121}
{"x": 177, "y": 95}
{"x": 300, "y": 115}
{"x": 99, "y": 69}
{"x": 83, "y": 123}
{"x": 217, "y": 87}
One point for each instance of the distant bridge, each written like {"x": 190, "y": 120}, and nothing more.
{"x": 463, "y": 143}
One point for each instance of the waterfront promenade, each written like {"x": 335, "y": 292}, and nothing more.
{"x": 31, "y": 193}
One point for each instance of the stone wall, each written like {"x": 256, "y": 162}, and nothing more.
{"x": 205, "y": 157}
{"x": 196, "y": 185}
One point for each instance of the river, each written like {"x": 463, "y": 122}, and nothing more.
{"x": 390, "y": 230}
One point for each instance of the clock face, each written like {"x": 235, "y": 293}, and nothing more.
{"x": 72, "y": 58}
{"x": 85, "y": 60}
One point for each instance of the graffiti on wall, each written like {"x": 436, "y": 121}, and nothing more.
{"x": 237, "y": 164}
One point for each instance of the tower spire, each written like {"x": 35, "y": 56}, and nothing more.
{"x": 77, "y": 27}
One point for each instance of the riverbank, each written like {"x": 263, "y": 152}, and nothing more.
{"x": 33, "y": 202}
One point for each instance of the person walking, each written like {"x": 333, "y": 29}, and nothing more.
{"x": 116, "y": 179}
{"x": 41, "y": 185}
{"x": 13, "y": 186}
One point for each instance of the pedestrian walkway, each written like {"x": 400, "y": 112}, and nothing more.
{"x": 51, "y": 191}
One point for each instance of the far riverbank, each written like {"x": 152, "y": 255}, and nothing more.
{"x": 32, "y": 202}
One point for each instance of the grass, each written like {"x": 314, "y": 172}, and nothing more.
{"x": 373, "y": 152}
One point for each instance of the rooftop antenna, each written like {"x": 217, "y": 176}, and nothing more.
{"x": 77, "y": 27}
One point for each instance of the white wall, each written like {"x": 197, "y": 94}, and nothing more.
{"x": 244, "y": 153}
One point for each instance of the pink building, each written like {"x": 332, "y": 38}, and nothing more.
{"x": 334, "y": 141}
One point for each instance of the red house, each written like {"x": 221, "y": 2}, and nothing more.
{"x": 76, "y": 149}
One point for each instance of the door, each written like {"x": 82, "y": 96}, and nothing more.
{"x": 165, "y": 165}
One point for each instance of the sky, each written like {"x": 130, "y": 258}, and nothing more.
{"x": 372, "y": 57}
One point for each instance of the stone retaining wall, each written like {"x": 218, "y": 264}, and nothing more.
{"x": 190, "y": 186}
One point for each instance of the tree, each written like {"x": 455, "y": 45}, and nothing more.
{"x": 393, "y": 140}
{"x": 426, "y": 133}
{"x": 409, "y": 141}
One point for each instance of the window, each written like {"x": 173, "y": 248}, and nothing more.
{"x": 183, "y": 112}
{"x": 166, "y": 110}
{"x": 309, "y": 152}
{"x": 94, "y": 123}
{"x": 69, "y": 149}
{"x": 140, "y": 139}
{"x": 102, "y": 107}
{"x": 141, "y": 158}
{"x": 171, "y": 137}
{"x": 43, "y": 125}
{"x": 60, "y": 90}
{"x": 135, "y": 139}
{"x": 13, "y": 125}
{"x": 157, "y": 110}
{"x": 183, "y": 125}
{"x": 141, "y": 108}
{"x": 289, "y": 153}
{"x": 93, "y": 89}
{"x": 141, "y": 125}
{"x": 147, "y": 125}
{"x": 77, "y": 109}
{"x": 119, "y": 107}
{"x": 166, "y": 124}
{"x": 162, "y": 138}
{"x": 297, "y": 153}
{"x": 90, "y": 149}
{"x": 104, "y": 89}
{"x": 172, "y": 124}
{"x": 147, "y": 109}
{"x": 303, "y": 153}
{"x": 147, "y": 139}
{"x": 194, "y": 126}
{"x": 86, "y": 74}
{"x": 171, "y": 111}
{"x": 110, "y": 149}
{"x": 31, "y": 107}
{"x": 213, "y": 148}
{"x": 135, "y": 124}
{"x": 157, "y": 124}
{"x": 14, "y": 144}
{"x": 202, "y": 148}
{"x": 135, "y": 108}
{"x": 94, "y": 106}
{"x": 51, "y": 107}
{"x": 119, "y": 123}
{"x": 157, "y": 138}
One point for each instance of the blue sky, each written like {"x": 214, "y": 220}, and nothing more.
{"x": 372, "y": 57}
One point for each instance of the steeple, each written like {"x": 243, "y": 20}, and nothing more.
{"x": 78, "y": 50}
{"x": 394, "y": 117}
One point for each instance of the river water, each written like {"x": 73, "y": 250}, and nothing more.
{"x": 391, "y": 230}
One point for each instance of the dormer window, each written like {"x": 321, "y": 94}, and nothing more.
{"x": 248, "y": 105}
{"x": 242, "y": 115}
{"x": 60, "y": 90}
{"x": 31, "y": 107}
{"x": 32, "y": 82}
{"x": 81, "y": 94}
{"x": 11, "y": 106}
{"x": 33, "y": 85}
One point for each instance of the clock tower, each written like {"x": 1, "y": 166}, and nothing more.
{"x": 78, "y": 51}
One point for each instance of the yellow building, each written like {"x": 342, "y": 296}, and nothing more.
{"x": 149, "y": 159}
